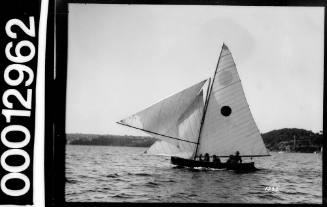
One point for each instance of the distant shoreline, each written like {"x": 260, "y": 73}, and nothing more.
{"x": 283, "y": 140}
{"x": 110, "y": 140}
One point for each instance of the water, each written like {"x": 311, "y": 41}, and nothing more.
{"x": 125, "y": 174}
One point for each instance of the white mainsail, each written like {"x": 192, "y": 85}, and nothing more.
{"x": 175, "y": 119}
{"x": 228, "y": 123}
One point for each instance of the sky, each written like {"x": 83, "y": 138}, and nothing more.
{"x": 124, "y": 58}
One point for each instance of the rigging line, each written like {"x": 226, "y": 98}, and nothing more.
{"x": 156, "y": 133}
{"x": 207, "y": 100}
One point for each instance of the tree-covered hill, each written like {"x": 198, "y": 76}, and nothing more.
{"x": 293, "y": 140}
{"x": 109, "y": 140}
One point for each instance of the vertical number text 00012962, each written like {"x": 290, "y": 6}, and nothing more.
{"x": 25, "y": 78}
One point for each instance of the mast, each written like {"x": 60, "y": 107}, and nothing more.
{"x": 207, "y": 101}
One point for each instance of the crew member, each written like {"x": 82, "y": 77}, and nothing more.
{"x": 237, "y": 157}
{"x": 215, "y": 159}
{"x": 206, "y": 157}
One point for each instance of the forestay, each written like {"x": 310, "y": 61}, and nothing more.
{"x": 228, "y": 123}
{"x": 175, "y": 119}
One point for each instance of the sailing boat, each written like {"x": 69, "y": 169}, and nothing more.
{"x": 208, "y": 117}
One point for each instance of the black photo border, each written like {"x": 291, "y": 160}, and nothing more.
{"x": 56, "y": 78}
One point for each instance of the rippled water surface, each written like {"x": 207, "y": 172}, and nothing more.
{"x": 125, "y": 174}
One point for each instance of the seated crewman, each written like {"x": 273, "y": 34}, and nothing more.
{"x": 231, "y": 159}
{"x": 206, "y": 157}
{"x": 200, "y": 157}
{"x": 215, "y": 159}
{"x": 237, "y": 157}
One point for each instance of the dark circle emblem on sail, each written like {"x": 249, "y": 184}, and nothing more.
{"x": 225, "y": 78}
{"x": 225, "y": 110}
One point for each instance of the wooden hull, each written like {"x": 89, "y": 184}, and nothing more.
{"x": 195, "y": 163}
